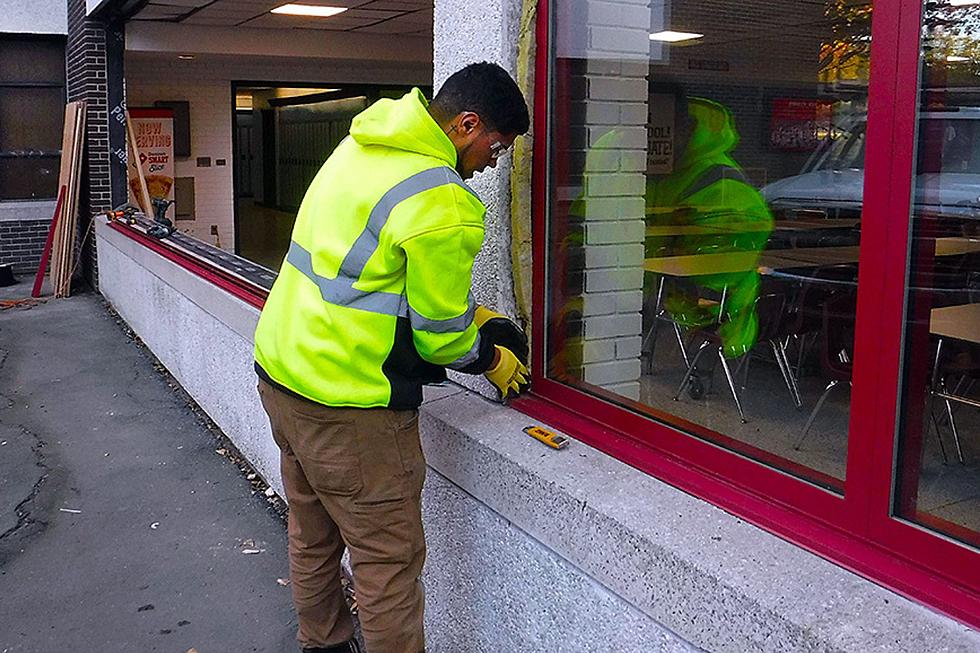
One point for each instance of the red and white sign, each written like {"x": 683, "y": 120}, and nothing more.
{"x": 799, "y": 125}
{"x": 153, "y": 131}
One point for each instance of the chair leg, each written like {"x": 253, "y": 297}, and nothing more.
{"x": 779, "y": 353}
{"x": 743, "y": 369}
{"x": 680, "y": 343}
{"x": 690, "y": 369}
{"x": 650, "y": 341}
{"x": 935, "y": 423}
{"x": 813, "y": 415}
{"x": 952, "y": 427}
{"x": 731, "y": 383}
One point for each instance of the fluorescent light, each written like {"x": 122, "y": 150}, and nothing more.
{"x": 954, "y": 58}
{"x": 669, "y": 36}
{"x": 319, "y": 11}
{"x": 185, "y": 57}
{"x": 963, "y": 3}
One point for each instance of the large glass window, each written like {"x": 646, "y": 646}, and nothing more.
{"x": 704, "y": 217}
{"x": 939, "y": 449}
{"x": 32, "y": 109}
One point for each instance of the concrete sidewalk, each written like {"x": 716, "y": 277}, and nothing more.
{"x": 121, "y": 526}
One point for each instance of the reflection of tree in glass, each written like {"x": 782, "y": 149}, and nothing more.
{"x": 950, "y": 35}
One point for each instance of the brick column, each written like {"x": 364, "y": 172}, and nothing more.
{"x": 86, "y": 56}
{"x": 609, "y": 47}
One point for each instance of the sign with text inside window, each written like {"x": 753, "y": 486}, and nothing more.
{"x": 660, "y": 134}
{"x": 799, "y": 125}
{"x": 153, "y": 134}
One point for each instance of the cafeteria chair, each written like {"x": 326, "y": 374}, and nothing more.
{"x": 769, "y": 310}
{"x": 836, "y": 350}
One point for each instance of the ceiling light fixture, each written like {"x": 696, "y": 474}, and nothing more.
{"x": 963, "y": 3}
{"x": 670, "y": 36}
{"x": 319, "y": 11}
{"x": 185, "y": 57}
{"x": 955, "y": 58}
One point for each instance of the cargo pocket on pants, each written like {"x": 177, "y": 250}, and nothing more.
{"x": 389, "y": 459}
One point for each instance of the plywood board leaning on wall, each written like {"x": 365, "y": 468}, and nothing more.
{"x": 70, "y": 175}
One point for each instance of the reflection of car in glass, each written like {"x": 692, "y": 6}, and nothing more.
{"x": 948, "y": 180}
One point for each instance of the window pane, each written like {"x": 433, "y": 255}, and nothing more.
{"x": 32, "y": 109}
{"x": 704, "y": 217}
{"x": 31, "y": 118}
{"x": 29, "y": 178}
{"x": 32, "y": 59}
{"x": 939, "y": 454}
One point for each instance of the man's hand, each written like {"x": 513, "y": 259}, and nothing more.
{"x": 501, "y": 331}
{"x": 508, "y": 374}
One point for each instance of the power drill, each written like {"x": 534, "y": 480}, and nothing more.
{"x": 125, "y": 213}
{"x": 162, "y": 226}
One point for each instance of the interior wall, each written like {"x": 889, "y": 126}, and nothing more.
{"x": 205, "y": 83}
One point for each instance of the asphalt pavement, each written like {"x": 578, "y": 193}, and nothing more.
{"x": 127, "y": 521}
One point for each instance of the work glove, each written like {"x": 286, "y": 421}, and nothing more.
{"x": 509, "y": 375}
{"x": 501, "y": 331}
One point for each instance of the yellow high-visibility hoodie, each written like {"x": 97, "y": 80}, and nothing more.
{"x": 373, "y": 299}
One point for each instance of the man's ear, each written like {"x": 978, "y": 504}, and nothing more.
{"x": 468, "y": 122}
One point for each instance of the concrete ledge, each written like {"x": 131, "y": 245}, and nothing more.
{"x": 711, "y": 578}
{"x": 27, "y": 210}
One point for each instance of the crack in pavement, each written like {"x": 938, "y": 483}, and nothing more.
{"x": 25, "y": 508}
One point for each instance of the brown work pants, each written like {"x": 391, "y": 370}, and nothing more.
{"x": 353, "y": 476}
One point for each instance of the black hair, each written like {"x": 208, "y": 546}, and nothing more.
{"x": 487, "y": 89}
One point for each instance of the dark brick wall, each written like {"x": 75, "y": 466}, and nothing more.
{"x": 23, "y": 241}
{"x": 85, "y": 59}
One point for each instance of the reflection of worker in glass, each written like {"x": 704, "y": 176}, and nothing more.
{"x": 706, "y": 189}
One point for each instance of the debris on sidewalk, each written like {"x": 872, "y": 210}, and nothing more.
{"x": 70, "y": 510}
{"x": 283, "y": 581}
{"x": 249, "y": 547}
{"x": 27, "y": 302}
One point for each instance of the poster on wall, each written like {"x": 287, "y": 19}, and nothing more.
{"x": 799, "y": 124}
{"x": 660, "y": 134}
{"x": 153, "y": 134}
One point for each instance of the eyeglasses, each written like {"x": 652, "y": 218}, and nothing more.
{"x": 498, "y": 149}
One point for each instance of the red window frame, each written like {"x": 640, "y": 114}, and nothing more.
{"x": 857, "y": 530}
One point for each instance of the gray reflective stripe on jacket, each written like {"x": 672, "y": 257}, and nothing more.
{"x": 340, "y": 290}
{"x": 713, "y": 175}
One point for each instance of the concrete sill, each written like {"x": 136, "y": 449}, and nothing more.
{"x": 716, "y": 581}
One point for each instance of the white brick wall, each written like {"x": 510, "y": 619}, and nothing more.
{"x": 609, "y": 128}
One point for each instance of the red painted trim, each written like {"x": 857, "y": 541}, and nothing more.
{"x": 940, "y": 525}
{"x": 210, "y": 273}
{"x": 46, "y": 253}
{"x": 151, "y": 112}
{"x": 539, "y": 191}
{"x": 678, "y": 423}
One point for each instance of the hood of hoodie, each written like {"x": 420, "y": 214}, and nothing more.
{"x": 403, "y": 124}
{"x": 713, "y": 135}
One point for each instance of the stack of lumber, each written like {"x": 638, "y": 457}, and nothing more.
{"x": 66, "y": 229}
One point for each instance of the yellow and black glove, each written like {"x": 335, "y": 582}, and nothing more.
{"x": 509, "y": 374}
{"x": 501, "y": 331}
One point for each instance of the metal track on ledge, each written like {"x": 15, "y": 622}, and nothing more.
{"x": 250, "y": 274}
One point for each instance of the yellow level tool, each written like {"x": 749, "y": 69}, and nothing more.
{"x": 550, "y": 438}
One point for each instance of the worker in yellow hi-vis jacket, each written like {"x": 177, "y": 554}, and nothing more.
{"x": 373, "y": 301}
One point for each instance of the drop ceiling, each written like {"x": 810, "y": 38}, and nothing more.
{"x": 402, "y": 17}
